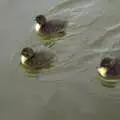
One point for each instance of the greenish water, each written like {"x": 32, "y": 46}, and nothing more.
{"x": 70, "y": 90}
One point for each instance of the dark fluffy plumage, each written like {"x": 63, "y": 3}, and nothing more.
{"x": 112, "y": 66}
{"x": 37, "y": 60}
{"x": 52, "y": 26}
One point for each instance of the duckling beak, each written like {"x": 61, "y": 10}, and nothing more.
{"x": 23, "y": 59}
{"x": 102, "y": 71}
{"x": 37, "y": 27}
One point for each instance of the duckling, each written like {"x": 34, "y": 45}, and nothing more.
{"x": 109, "y": 67}
{"x": 36, "y": 59}
{"x": 51, "y": 27}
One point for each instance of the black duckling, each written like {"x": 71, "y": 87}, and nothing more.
{"x": 109, "y": 67}
{"x": 50, "y": 27}
{"x": 35, "y": 59}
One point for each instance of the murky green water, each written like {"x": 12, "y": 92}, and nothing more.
{"x": 71, "y": 90}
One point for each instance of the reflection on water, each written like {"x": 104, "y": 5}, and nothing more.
{"x": 70, "y": 89}
{"x": 108, "y": 82}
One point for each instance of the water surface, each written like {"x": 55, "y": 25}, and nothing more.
{"x": 70, "y": 90}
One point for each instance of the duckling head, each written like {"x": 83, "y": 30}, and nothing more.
{"x": 40, "y": 21}
{"x": 26, "y": 54}
{"x": 105, "y": 65}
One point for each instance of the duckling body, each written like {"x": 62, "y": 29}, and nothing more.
{"x": 36, "y": 59}
{"x": 109, "y": 67}
{"x": 50, "y": 27}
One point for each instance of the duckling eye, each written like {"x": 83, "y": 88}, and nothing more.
{"x": 25, "y": 53}
{"x": 104, "y": 64}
